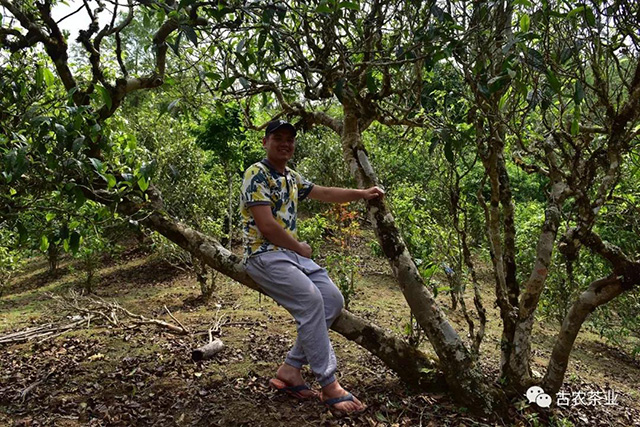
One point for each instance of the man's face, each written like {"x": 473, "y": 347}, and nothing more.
{"x": 279, "y": 145}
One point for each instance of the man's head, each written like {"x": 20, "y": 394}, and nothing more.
{"x": 279, "y": 141}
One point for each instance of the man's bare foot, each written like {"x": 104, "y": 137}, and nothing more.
{"x": 335, "y": 390}
{"x": 293, "y": 377}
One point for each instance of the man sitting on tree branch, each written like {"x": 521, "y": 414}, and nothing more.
{"x": 283, "y": 268}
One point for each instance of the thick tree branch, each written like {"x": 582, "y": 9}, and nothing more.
{"x": 625, "y": 276}
{"x": 599, "y": 292}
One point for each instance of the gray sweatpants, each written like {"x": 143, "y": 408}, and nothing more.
{"x": 305, "y": 290}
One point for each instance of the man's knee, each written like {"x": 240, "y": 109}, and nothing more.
{"x": 312, "y": 300}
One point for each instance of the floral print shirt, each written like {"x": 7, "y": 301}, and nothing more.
{"x": 264, "y": 185}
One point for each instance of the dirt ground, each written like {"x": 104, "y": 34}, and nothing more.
{"x": 126, "y": 375}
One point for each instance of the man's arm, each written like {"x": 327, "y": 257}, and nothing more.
{"x": 275, "y": 233}
{"x": 343, "y": 195}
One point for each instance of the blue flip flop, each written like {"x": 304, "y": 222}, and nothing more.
{"x": 330, "y": 404}
{"x": 291, "y": 390}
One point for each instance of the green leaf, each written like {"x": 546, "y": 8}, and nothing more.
{"x": 244, "y": 82}
{"x": 147, "y": 168}
{"x": 39, "y": 76}
{"x": 44, "y": 243}
{"x": 323, "y": 8}
{"x": 261, "y": 39}
{"x": 49, "y": 216}
{"x": 77, "y": 122}
{"x": 79, "y": 197}
{"x": 524, "y": 23}
{"x": 143, "y": 183}
{"x": 586, "y": 11}
{"x": 589, "y": 17}
{"x": 578, "y": 94}
{"x": 566, "y": 54}
{"x": 484, "y": 90}
{"x": 95, "y": 129}
{"x": 185, "y": 3}
{"x": 104, "y": 94}
{"x": 111, "y": 180}
{"x": 497, "y": 83}
{"x": 60, "y": 130}
{"x": 281, "y": 11}
{"x": 553, "y": 82}
{"x": 575, "y": 127}
{"x": 267, "y": 15}
{"x": 97, "y": 164}
{"x": 48, "y": 76}
{"x": 575, "y": 11}
{"x": 504, "y": 99}
{"x": 191, "y": 34}
{"x": 226, "y": 83}
{"x": 348, "y": 5}
{"x": 77, "y": 144}
{"x": 276, "y": 44}
{"x": 448, "y": 151}
{"x": 535, "y": 59}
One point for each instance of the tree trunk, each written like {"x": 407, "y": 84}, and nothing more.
{"x": 599, "y": 292}
{"x": 508, "y": 314}
{"x": 230, "y": 211}
{"x": 52, "y": 255}
{"x": 207, "y": 281}
{"x": 464, "y": 378}
{"x": 519, "y": 363}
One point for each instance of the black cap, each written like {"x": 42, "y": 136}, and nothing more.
{"x": 274, "y": 125}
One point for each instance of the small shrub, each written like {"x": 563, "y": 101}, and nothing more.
{"x": 343, "y": 270}
{"x": 90, "y": 253}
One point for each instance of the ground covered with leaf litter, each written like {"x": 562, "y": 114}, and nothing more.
{"x": 100, "y": 374}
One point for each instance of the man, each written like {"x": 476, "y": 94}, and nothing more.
{"x": 283, "y": 268}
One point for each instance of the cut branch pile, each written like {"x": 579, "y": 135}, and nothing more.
{"x": 112, "y": 312}
{"x": 44, "y": 332}
{"x": 92, "y": 308}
